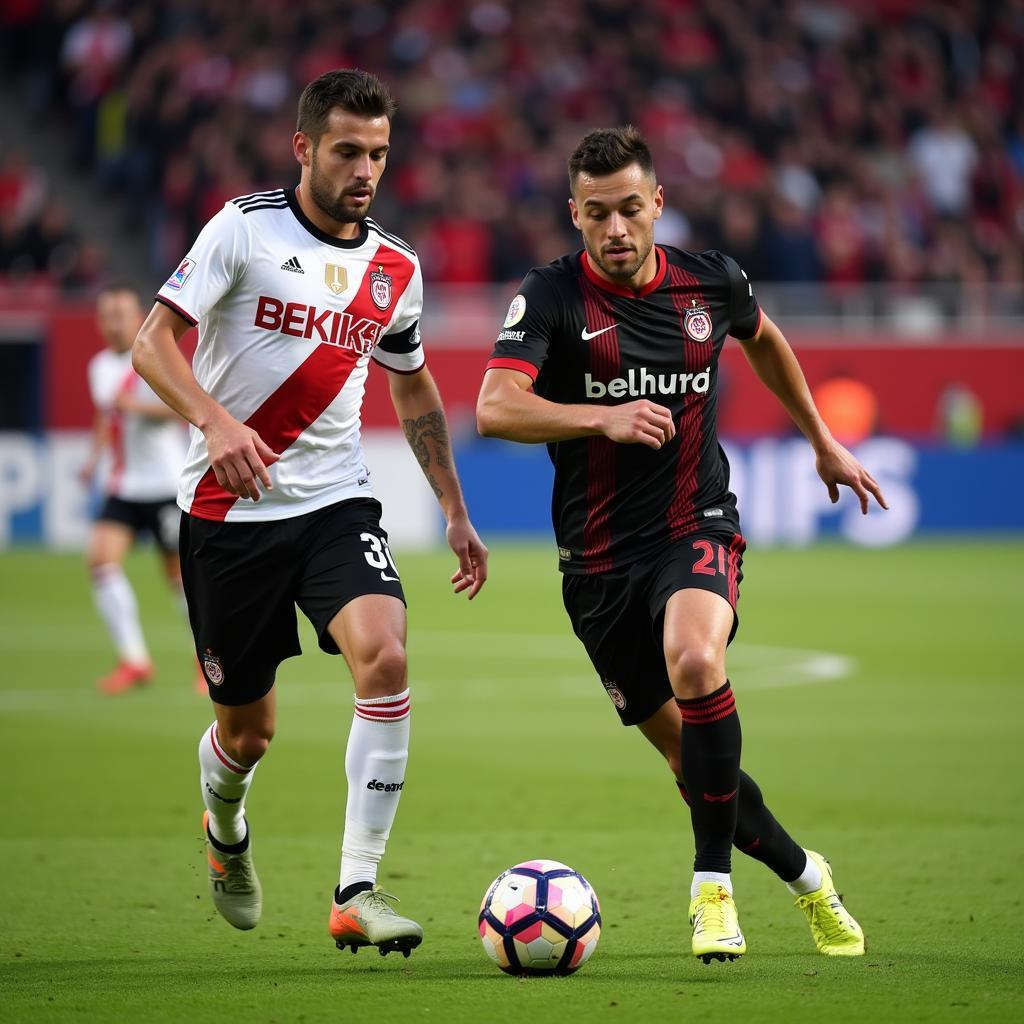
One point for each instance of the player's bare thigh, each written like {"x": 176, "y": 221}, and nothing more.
{"x": 695, "y": 635}
{"x": 370, "y": 632}
{"x": 109, "y": 543}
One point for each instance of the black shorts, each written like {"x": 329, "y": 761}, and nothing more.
{"x": 618, "y": 615}
{"x": 158, "y": 518}
{"x": 243, "y": 581}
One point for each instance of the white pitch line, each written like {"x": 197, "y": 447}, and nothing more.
{"x": 754, "y": 666}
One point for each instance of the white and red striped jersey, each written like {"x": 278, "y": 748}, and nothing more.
{"x": 146, "y": 452}
{"x": 289, "y": 318}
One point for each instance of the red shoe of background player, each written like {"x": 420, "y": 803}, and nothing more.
{"x": 124, "y": 677}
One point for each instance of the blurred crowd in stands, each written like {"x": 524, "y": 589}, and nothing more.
{"x": 844, "y": 142}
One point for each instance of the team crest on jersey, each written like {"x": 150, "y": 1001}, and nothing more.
{"x": 380, "y": 287}
{"x": 181, "y": 275}
{"x": 516, "y": 311}
{"x": 618, "y": 698}
{"x": 213, "y": 669}
{"x": 697, "y": 323}
{"x": 336, "y": 278}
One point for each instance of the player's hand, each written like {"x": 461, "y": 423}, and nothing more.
{"x": 837, "y": 466}
{"x": 239, "y": 457}
{"x": 472, "y": 554}
{"x": 639, "y": 422}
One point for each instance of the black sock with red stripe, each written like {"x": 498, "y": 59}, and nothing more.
{"x": 758, "y": 833}
{"x": 711, "y": 773}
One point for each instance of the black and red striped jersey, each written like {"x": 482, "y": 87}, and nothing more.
{"x": 583, "y": 339}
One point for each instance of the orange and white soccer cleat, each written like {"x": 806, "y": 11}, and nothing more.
{"x": 125, "y": 677}
{"x": 369, "y": 920}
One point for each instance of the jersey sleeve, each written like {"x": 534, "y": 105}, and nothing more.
{"x": 211, "y": 268}
{"x": 525, "y": 336}
{"x": 744, "y": 312}
{"x": 401, "y": 347}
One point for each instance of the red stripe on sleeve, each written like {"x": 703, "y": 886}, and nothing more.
{"x": 521, "y": 365}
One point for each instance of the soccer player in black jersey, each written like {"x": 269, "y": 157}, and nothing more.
{"x": 610, "y": 356}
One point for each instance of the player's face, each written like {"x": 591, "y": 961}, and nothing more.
{"x": 616, "y": 214}
{"x": 119, "y": 317}
{"x": 345, "y": 165}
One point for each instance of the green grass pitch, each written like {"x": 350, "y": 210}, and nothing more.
{"x": 881, "y": 697}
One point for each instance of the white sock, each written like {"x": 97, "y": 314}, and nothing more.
{"x": 224, "y": 783}
{"x": 116, "y": 602}
{"x": 725, "y": 881}
{"x": 809, "y": 879}
{"x": 378, "y": 749}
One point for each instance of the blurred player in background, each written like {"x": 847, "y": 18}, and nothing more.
{"x": 146, "y": 443}
{"x": 294, "y": 291}
{"x": 610, "y": 355}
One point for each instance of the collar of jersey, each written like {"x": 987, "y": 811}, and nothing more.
{"x": 322, "y": 236}
{"x": 595, "y": 278}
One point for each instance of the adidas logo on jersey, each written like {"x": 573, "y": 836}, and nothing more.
{"x": 292, "y": 265}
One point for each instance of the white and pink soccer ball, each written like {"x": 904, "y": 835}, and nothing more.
{"x": 540, "y": 917}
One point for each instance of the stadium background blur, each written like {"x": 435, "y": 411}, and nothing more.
{"x": 864, "y": 161}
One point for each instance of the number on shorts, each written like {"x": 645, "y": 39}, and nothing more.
{"x": 379, "y": 555}
{"x": 705, "y": 566}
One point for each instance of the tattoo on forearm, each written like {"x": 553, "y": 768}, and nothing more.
{"x": 428, "y": 437}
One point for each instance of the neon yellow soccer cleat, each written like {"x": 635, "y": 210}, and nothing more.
{"x": 716, "y": 925}
{"x": 368, "y": 920}
{"x": 835, "y": 931}
{"x": 234, "y": 887}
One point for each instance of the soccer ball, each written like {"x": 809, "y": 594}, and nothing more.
{"x": 540, "y": 917}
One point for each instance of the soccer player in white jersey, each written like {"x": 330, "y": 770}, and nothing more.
{"x": 295, "y": 291}
{"x": 146, "y": 442}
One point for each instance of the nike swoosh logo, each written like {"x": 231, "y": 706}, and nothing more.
{"x": 389, "y": 579}
{"x": 587, "y": 335}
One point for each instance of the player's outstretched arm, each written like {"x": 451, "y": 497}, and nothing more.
{"x": 507, "y": 408}
{"x": 421, "y": 413}
{"x": 238, "y": 455}
{"x": 776, "y": 365}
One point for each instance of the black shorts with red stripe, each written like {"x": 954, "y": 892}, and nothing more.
{"x": 618, "y": 615}
{"x": 244, "y": 580}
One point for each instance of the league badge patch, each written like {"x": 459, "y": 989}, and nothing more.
{"x": 181, "y": 275}
{"x": 380, "y": 287}
{"x": 697, "y": 324}
{"x": 516, "y": 311}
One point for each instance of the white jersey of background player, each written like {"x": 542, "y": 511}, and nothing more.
{"x": 260, "y": 274}
{"x": 144, "y": 443}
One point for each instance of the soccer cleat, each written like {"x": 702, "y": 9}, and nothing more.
{"x": 368, "y": 920}
{"x": 835, "y": 931}
{"x": 234, "y": 887}
{"x": 716, "y": 925}
{"x": 124, "y": 677}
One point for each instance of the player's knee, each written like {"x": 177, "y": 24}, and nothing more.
{"x": 246, "y": 745}
{"x": 695, "y": 670}
{"x": 385, "y": 672}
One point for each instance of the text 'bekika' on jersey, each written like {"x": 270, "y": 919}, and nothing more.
{"x": 582, "y": 339}
{"x": 289, "y": 318}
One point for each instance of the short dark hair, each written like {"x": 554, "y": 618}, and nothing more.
{"x": 355, "y": 91}
{"x": 608, "y": 150}
{"x": 117, "y": 287}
